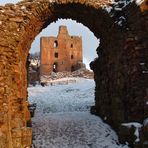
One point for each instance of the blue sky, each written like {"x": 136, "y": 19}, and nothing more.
{"x": 90, "y": 42}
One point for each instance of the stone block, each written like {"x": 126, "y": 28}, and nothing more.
{"x": 3, "y": 140}
{"x": 22, "y": 137}
{"x": 16, "y": 142}
{"x": 16, "y": 138}
{"x": 17, "y": 19}
{"x": 16, "y": 133}
{"x": 26, "y": 137}
{"x": 2, "y": 90}
{"x": 3, "y": 118}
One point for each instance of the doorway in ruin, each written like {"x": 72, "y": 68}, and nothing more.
{"x": 72, "y": 69}
{"x": 55, "y": 67}
{"x": 55, "y": 44}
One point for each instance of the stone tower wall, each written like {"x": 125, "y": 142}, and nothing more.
{"x": 64, "y": 51}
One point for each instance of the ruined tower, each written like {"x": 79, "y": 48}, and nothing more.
{"x": 61, "y": 53}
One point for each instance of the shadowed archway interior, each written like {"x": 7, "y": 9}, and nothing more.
{"x": 120, "y": 92}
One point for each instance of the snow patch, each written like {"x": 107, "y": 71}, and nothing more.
{"x": 139, "y": 2}
{"x": 137, "y": 127}
{"x": 130, "y": 124}
{"x": 62, "y": 119}
{"x": 118, "y": 9}
{"x": 142, "y": 63}
{"x": 144, "y": 71}
{"x": 78, "y": 96}
{"x": 108, "y": 8}
{"x": 145, "y": 122}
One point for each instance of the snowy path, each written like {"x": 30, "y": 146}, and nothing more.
{"x": 62, "y": 118}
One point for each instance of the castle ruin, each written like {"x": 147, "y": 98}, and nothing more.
{"x": 61, "y": 53}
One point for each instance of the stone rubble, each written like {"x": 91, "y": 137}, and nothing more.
{"x": 84, "y": 73}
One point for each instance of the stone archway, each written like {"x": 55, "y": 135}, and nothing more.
{"x": 120, "y": 92}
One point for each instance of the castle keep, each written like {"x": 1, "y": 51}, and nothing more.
{"x": 61, "y": 53}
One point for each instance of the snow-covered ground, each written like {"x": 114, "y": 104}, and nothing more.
{"x": 62, "y": 118}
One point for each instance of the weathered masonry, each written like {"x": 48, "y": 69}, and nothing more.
{"x": 61, "y": 53}
{"x": 121, "y": 71}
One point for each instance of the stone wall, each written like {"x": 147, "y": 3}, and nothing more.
{"x": 120, "y": 76}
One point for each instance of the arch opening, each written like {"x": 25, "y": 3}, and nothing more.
{"x": 55, "y": 67}
{"x": 119, "y": 82}
{"x": 107, "y": 43}
{"x": 109, "y": 53}
{"x": 78, "y": 104}
{"x": 55, "y": 44}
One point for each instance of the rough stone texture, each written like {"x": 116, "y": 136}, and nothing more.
{"x": 120, "y": 71}
{"x": 61, "y": 53}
